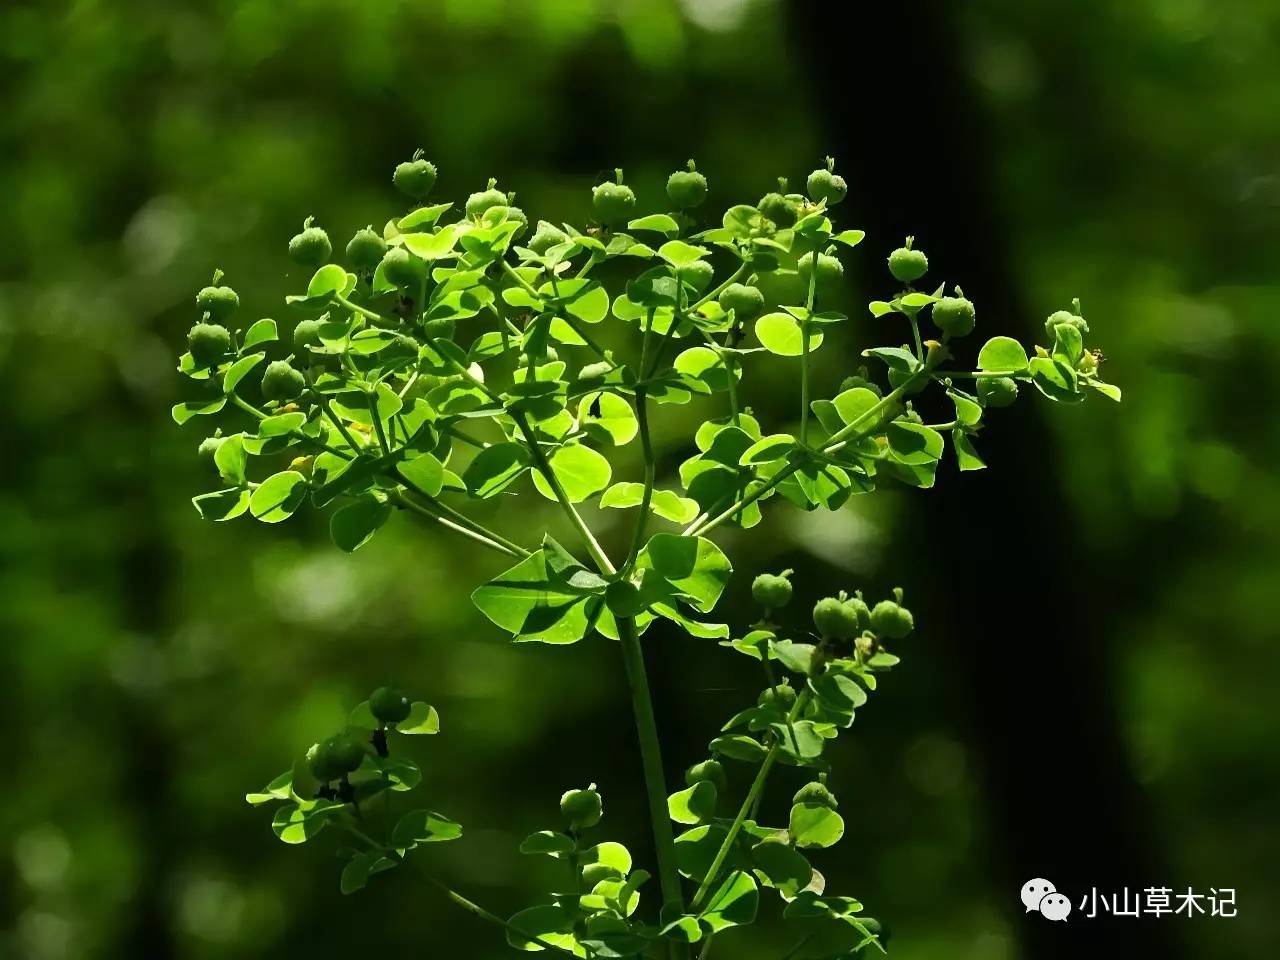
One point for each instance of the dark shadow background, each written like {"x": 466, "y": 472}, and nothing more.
{"x": 1090, "y": 697}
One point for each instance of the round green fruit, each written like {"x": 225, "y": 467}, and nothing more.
{"x": 282, "y": 382}
{"x": 366, "y": 249}
{"x": 306, "y": 333}
{"x": 582, "y": 808}
{"x": 402, "y": 268}
{"x": 311, "y": 247}
{"x": 830, "y": 269}
{"x": 954, "y": 316}
{"x": 322, "y": 763}
{"x": 834, "y": 619}
{"x": 860, "y": 610}
{"x": 745, "y": 301}
{"x": 1060, "y": 317}
{"x": 816, "y": 794}
{"x": 710, "y": 771}
{"x": 546, "y": 236}
{"x": 612, "y": 202}
{"x": 482, "y": 200}
{"x": 771, "y": 591}
{"x": 687, "y": 188}
{"x": 347, "y": 753}
{"x": 822, "y": 184}
{"x": 218, "y": 302}
{"x": 782, "y": 696}
{"x": 697, "y": 274}
{"x": 389, "y": 705}
{"x": 415, "y": 178}
{"x": 779, "y": 208}
{"x": 892, "y": 620}
{"x": 996, "y": 392}
{"x": 208, "y": 343}
{"x": 208, "y": 448}
{"x": 908, "y": 265}
{"x": 595, "y": 371}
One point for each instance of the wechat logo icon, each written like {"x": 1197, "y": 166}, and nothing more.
{"x": 1043, "y": 897}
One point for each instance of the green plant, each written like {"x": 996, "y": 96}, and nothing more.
{"x": 460, "y": 365}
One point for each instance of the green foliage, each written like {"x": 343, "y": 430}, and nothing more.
{"x": 446, "y": 363}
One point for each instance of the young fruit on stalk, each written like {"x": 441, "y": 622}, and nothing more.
{"x": 366, "y": 249}
{"x": 835, "y": 619}
{"x": 892, "y": 620}
{"x": 779, "y": 206}
{"x": 415, "y": 178}
{"x": 219, "y": 302}
{"x": 824, "y": 184}
{"x": 745, "y": 301}
{"x": 906, "y": 264}
{"x": 582, "y": 808}
{"x": 816, "y": 794}
{"x": 996, "y": 392}
{"x": 208, "y": 343}
{"x": 482, "y": 200}
{"x": 310, "y": 247}
{"x": 546, "y": 236}
{"x": 687, "y": 188}
{"x": 389, "y": 705}
{"x": 830, "y": 269}
{"x": 710, "y": 771}
{"x": 403, "y": 269}
{"x": 955, "y": 316}
{"x": 612, "y": 201}
{"x": 771, "y": 590}
{"x": 282, "y": 382}
{"x": 334, "y": 758}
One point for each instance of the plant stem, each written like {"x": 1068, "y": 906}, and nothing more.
{"x": 742, "y": 268}
{"x": 757, "y": 787}
{"x": 481, "y": 538}
{"x": 651, "y": 759}
{"x": 650, "y": 468}
{"x": 804, "y": 349}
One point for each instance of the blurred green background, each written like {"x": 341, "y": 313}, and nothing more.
{"x": 1091, "y": 696}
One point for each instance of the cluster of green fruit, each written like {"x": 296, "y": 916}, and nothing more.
{"x": 341, "y": 755}
{"x": 839, "y": 618}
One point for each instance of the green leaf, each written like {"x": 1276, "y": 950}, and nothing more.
{"x": 262, "y": 331}
{"x": 769, "y": 449}
{"x": 425, "y": 473}
{"x": 582, "y": 473}
{"x": 423, "y": 826}
{"x": 585, "y": 299}
{"x": 231, "y": 459}
{"x": 850, "y": 238}
{"x": 1055, "y": 380}
{"x": 239, "y": 370}
{"x": 693, "y": 565}
{"x": 734, "y": 903}
{"x": 966, "y": 456}
{"x": 222, "y": 504}
{"x": 705, "y": 366}
{"x": 680, "y": 254}
{"x": 549, "y": 923}
{"x": 355, "y": 524}
{"x": 422, "y": 720}
{"x": 495, "y": 468}
{"x": 1002, "y": 355}
{"x": 360, "y": 868}
{"x": 423, "y": 218}
{"x": 278, "y": 496}
{"x": 543, "y": 598}
{"x": 694, "y": 805}
{"x": 609, "y": 415}
{"x": 665, "y": 503}
{"x": 914, "y": 443}
{"x": 1068, "y": 344}
{"x": 776, "y": 864}
{"x": 547, "y": 842}
{"x": 1108, "y": 390}
{"x": 739, "y": 747}
{"x": 281, "y": 788}
{"x": 183, "y": 412}
{"x": 780, "y": 333}
{"x": 658, "y": 223}
{"x": 610, "y": 853}
{"x": 431, "y": 246}
{"x": 815, "y": 826}
{"x": 302, "y": 820}
{"x": 327, "y": 281}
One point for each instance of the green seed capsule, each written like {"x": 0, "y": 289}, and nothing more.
{"x": 687, "y": 188}
{"x": 822, "y": 184}
{"x": 594, "y": 371}
{"x": 366, "y": 249}
{"x": 482, "y": 200}
{"x": 218, "y": 302}
{"x": 954, "y": 316}
{"x": 816, "y": 794}
{"x": 208, "y": 448}
{"x": 771, "y": 591}
{"x": 306, "y": 333}
{"x": 697, "y": 274}
{"x": 389, "y": 705}
{"x": 347, "y": 753}
{"x": 889, "y": 619}
{"x": 282, "y": 382}
{"x": 208, "y": 343}
{"x": 403, "y": 269}
{"x": 860, "y": 610}
{"x": 546, "y": 236}
{"x": 908, "y": 265}
{"x": 834, "y": 619}
{"x": 996, "y": 392}
{"x": 582, "y": 808}
{"x": 782, "y": 210}
{"x": 415, "y": 178}
{"x": 612, "y": 202}
{"x": 830, "y": 269}
{"x": 710, "y": 771}
{"x": 322, "y": 763}
{"x": 745, "y": 301}
{"x": 311, "y": 247}
{"x": 851, "y": 382}
{"x": 1064, "y": 316}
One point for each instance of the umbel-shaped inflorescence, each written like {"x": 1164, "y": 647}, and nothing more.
{"x": 462, "y": 353}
